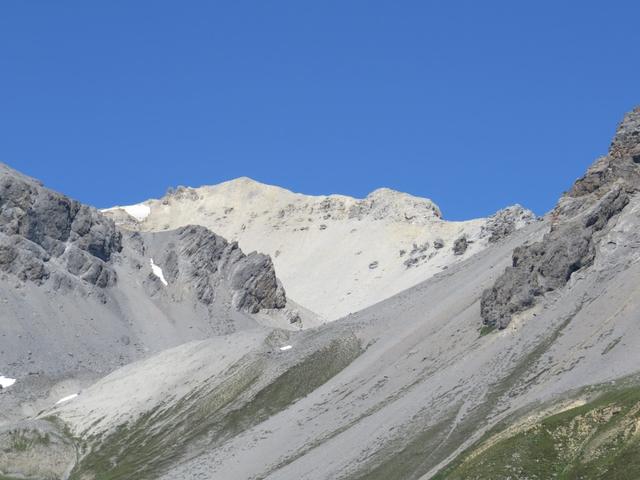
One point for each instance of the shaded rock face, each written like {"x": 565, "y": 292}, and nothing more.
{"x": 39, "y": 226}
{"x": 255, "y": 284}
{"x": 579, "y": 221}
{"x": 198, "y": 258}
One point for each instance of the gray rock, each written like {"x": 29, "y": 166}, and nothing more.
{"x": 619, "y": 165}
{"x": 22, "y": 258}
{"x": 293, "y": 316}
{"x": 506, "y": 221}
{"x": 438, "y": 243}
{"x": 194, "y": 256}
{"x": 42, "y": 224}
{"x": 579, "y": 221}
{"x": 255, "y": 284}
{"x": 460, "y": 245}
{"x": 411, "y": 262}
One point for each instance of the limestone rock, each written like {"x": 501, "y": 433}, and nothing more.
{"x": 38, "y": 224}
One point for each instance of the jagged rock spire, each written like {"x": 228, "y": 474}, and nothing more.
{"x": 627, "y": 138}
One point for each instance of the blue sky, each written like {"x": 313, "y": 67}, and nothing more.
{"x": 476, "y": 105}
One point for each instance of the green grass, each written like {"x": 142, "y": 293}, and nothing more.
{"x": 25, "y": 444}
{"x": 208, "y": 416}
{"x": 599, "y": 440}
{"x": 487, "y": 329}
{"x": 416, "y": 449}
{"x": 22, "y": 440}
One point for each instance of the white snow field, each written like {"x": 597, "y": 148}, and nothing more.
{"x": 6, "y": 382}
{"x": 139, "y": 211}
{"x": 334, "y": 254}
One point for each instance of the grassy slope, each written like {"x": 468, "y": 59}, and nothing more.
{"x": 599, "y": 440}
{"x": 207, "y": 417}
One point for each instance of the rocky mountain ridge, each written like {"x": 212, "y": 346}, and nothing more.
{"x": 334, "y": 254}
{"x": 80, "y": 297}
{"x": 45, "y": 235}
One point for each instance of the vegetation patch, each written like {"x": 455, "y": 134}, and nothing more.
{"x": 487, "y": 329}
{"x": 415, "y": 451}
{"x": 21, "y": 440}
{"x": 208, "y": 416}
{"x": 37, "y": 450}
{"x": 598, "y": 440}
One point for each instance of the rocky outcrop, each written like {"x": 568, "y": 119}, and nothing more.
{"x": 581, "y": 218}
{"x": 460, "y": 245}
{"x": 254, "y": 283}
{"x": 39, "y": 226}
{"x": 194, "y": 256}
{"x": 506, "y": 221}
{"x": 385, "y": 203}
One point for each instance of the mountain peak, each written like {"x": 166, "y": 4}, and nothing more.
{"x": 627, "y": 138}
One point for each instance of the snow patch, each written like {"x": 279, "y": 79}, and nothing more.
{"x": 67, "y": 398}
{"x": 157, "y": 271}
{"x": 286, "y": 347}
{"x": 139, "y": 211}
{"x": 6, "y": 382}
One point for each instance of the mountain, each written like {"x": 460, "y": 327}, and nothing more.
{"x": 80, "y": 297}
{"x": 334, "y": 254}
{"x": 519, "y": 361}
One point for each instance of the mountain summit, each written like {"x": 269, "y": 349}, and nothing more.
{"x": 334, "y": 254}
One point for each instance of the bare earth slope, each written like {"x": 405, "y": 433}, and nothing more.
{"x": 334, "y": 254}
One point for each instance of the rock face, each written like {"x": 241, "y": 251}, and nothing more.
{"x": 45, "y": 234}
{"x": 39, "y": 227}
{"x": 194, "y": 256}
{"x": 582, "y": 217}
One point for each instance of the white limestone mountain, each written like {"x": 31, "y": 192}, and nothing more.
{"x": 334, "y": 254}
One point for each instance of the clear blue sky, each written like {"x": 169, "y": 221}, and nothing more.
{"x": 476, "y": 105}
